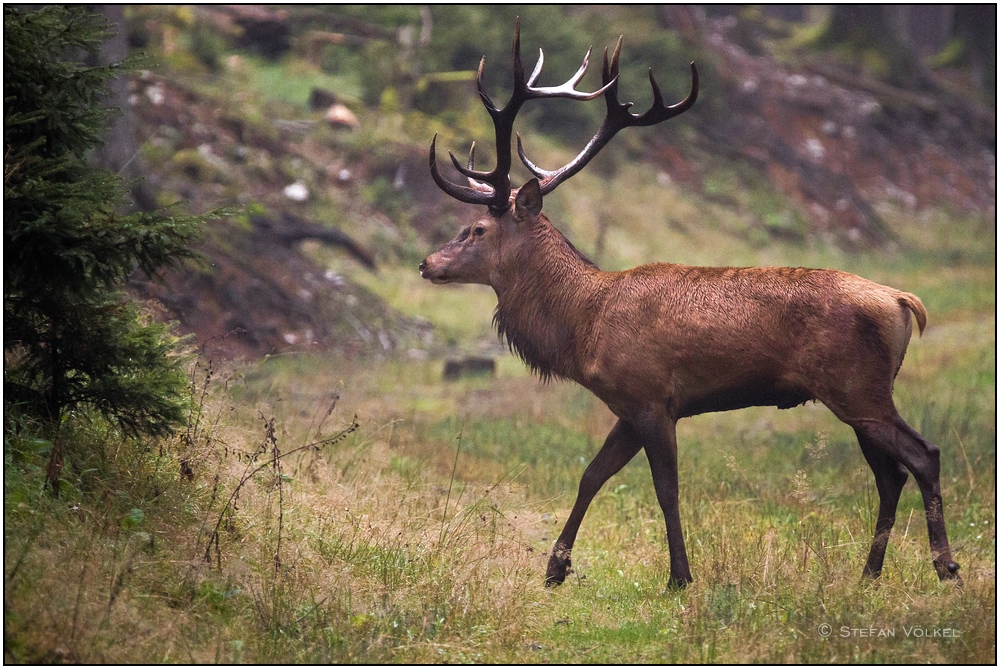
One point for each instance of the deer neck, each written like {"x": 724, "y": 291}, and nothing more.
{"x": 547, "y": 303}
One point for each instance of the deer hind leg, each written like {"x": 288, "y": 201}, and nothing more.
{"x": 890, "y": 476}
{"x": 893, "y": 439}
{"x": 619, "y": 448}
{"x": 661, "y": 451}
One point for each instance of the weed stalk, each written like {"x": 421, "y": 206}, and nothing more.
{"x": 249, "y": 473}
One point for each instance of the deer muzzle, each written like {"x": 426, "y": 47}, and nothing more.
{"x": 431, "y": 272}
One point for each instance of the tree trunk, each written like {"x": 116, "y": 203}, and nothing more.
{"x": 976, "y": 26}
{"x": 884, "y": 30}
{"x": 120, "y": 151}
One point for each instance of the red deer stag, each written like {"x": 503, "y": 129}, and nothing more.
{"x": 661, "y": 342}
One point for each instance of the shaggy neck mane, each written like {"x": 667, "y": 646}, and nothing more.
{"x": 546, "y": 303}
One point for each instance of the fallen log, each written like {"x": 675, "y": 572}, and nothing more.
{"x": 290, "y": 230}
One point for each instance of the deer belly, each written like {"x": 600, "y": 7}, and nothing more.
{"x": 750, "y": 392}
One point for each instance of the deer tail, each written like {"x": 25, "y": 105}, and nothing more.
{"x": 913, "y": 303}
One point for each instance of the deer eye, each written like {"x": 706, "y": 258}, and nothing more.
{"x": 479, "y": 231}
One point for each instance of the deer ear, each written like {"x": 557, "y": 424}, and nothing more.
{"x": 528, "y": 202}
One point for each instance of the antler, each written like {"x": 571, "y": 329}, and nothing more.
{"x": 618, "y": 117}
{"x": 493, "y": 188}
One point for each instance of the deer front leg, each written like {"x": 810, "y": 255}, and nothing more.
{"x": 620, "y": 446}
{"x": 661, "y": 451}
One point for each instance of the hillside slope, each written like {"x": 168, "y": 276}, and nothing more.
{"x": 808, "y": 152}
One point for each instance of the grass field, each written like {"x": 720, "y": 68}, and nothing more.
{"x": 423, "y": 534}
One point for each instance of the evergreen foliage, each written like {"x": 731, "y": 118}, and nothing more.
{"x": 71, "y": 335}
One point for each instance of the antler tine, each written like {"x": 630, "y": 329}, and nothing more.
{"x": 461, "y": 193}
{"x": 657, "y": 96}
{"x": 610, "y": 72}
{"x": 692, "y": 96}
{"x": 481, "y": 86}
{"x": 476, "y": 185}
{"x": 469, "y": 172}
{"x": 609, "y": 75}
{"x": 516, "y": 52}
{"x": 538, "y": 68}
{"x": 533, "y": 168}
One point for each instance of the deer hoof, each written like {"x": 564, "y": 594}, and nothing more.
{"x": 948, "y": 571}
{"x": 678, "y": 583}
{"x": 559, "y": 567}
{"x": 873, "y": 574}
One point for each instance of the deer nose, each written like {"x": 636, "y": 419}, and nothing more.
{"x": 422, "y": 266}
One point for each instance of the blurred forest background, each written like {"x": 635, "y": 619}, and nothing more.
{"x": 183, "y": 478}
{"x": 317, "y": 122}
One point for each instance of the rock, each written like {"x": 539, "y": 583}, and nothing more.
{"x": 339, "y": 116}
{"x": 296, "y": 192}
{"x": 469, "y": 366}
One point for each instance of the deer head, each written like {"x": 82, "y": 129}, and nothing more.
{"x": 475, "y": 253}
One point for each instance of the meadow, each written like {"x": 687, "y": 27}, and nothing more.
{"x": 320, "y": 509}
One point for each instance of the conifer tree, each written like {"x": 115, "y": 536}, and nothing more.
{"x": 72, "y": 338}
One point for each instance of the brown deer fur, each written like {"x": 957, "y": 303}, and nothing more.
{"x": 661, "y": 342}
